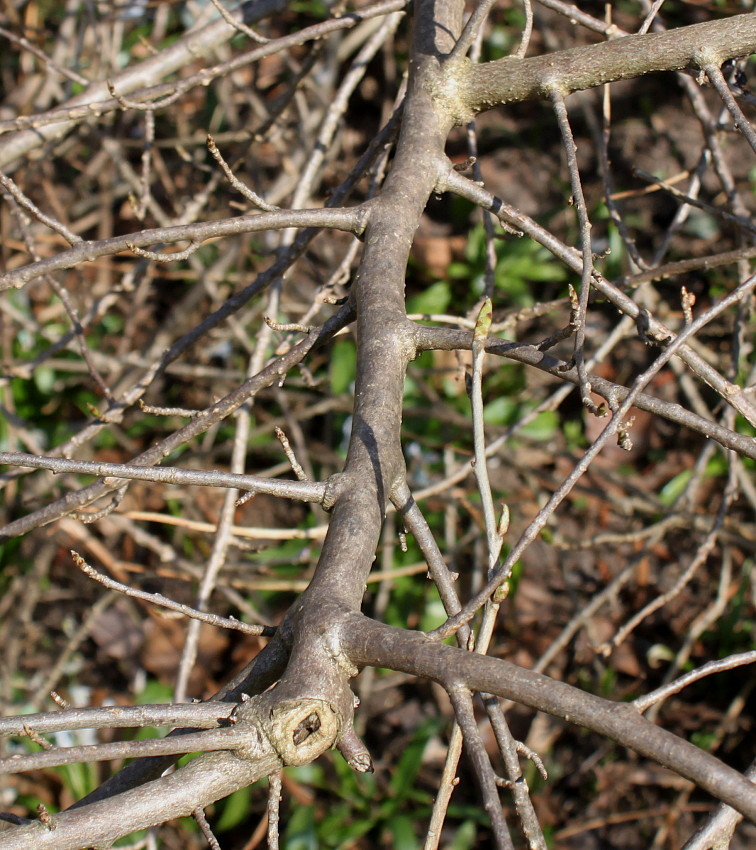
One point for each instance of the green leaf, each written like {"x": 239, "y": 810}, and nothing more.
{"x": 409, "y": 764}
{"x": 300, "y": 830}
{"x": 543, "y": 427}
{"x": 433, "y": 299}
{"x": 402, "y": 833}
{"x": 342, "y": 366}
{"x": 465, "y": 837}
{"x": 673, "y": 489}
{"x": 433, "y": 614}
{"x": 154, "y": 693}
{"x": 44, "y": 378}
{"x": 499, "y": 411}
{"x": 235, "y": 809}
{"x": 483, "y": 322}
{"x": 340, "y": 826}
{"x": 79, "y": 779}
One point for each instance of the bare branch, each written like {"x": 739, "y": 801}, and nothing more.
{"x": 164, "y": 602}
{"x": 511, "y": 79}
{"x": 353, "y": 109}
{"x": 308, "y": 492}
{"x": 200, "y": 742}
{"x": 93, "y": 102}
{"x": 376, "y": 643}
{"x": 472, "y": 30}
{"x": 450, "y": 339}
{"x": 729, "y": 663}
{"x": 714, "y": 73}
{"x": 463, "y": 708}
{"x": 353, "y": 220}
{"x": 578, "y": 199}
{"x": 12, "y": 189}
{"x": 207, "y": 715}
{"x": 504, "y": 568}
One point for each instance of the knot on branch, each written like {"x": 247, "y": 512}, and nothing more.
{"x": 331, "y": 491}
{"x": 448, "y": 91}
{"x": 344, "y": 663}
{"x": 301, "y": 730}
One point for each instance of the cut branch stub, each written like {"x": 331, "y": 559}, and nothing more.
{"x": 298, "y": 730}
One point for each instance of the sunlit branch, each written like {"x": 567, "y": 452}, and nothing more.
{"x": 302, "y": 491}
{"x": 352, "y": 220}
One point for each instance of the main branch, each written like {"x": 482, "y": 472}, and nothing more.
{"x": 468, "y": 89}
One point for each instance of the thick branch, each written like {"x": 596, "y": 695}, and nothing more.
{"x": 369, "y": 642}
{"x": 469, "y": 89}
{"x": 375, "y": 463}
{"x": 450, "y": 339}
{"x": 198, "y": 784}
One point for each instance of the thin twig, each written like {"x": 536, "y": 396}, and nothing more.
{"x": 463, "y": 710}
{"x": 251, "y": 196}
{"x": 709, "y": 669}
{"x": 89, "y": 517}
{"x": 578, "y": 198}
{"x": 352, "y": 219}
{"x": 650, "y": 15}
{"x": 40, "y": 54}
{"x": 702, "y": 553}
{"x": 290, "y": 456}
{"x": 143, "y": 106}
{"x": 201, "y": 820}
{"x": 164, "y": 602}
{"x": 274, "y": 809}
{"x": 242, "y": 531}
{"x": 569, "y": 329}
{"x": 725, "y": 215}
{"x": 449, "y": 180}
{"x": 303, "y": 491}
{"x": 160, "y": 257}
{"x": 90, "y": 104}
{"x": 714, "y": 73}
{"x": 444, "y": 789}
{"x": 166, "y": 411}
{"x": 149, "y": 141}
{"x": 239, "y": 25}
{"x": 530, "y": 533}
{"x": 527, "y": 30}
{"x": 296, "y": 327}
{"x": 12, "y": 189}
{"x": 199, "y": 742}
{"x": 207, "y": 715}
{"x": 472, "y": 28}
{"x": 480, "y": 335}
{"x": 53, "y": 675}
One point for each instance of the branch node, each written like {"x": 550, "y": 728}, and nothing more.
{"x": 288, "y": 326}
{"x": 45, "y": 817}
{"x": 159, "y": 257}
{"x": 623, "y": 435}
{"x": 330, "y": 494}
